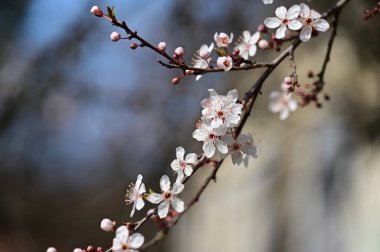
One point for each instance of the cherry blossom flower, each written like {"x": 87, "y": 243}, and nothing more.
{"x": 167, "y": 197}
{"x": 241, "y": 147}
{"x": 123, "y": 242}
{"x": 225, "y": 63}
{"x": 183, "y": 166}
{"x": 311, "y": 19}
{"x": 211, "y": 138}
{"x": 202, "y": 58}
{"x": 285, "y": 19}
{"x": 220, "y": 109}
{"x": 247, "y": 46}
{"x": 282, "y": 103}
{"x": 222, "y": 39}
{"x": 135, "y": 195}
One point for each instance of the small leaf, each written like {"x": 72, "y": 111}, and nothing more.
{"x": 220, "y": 51}
{"x": 111, "y": 12}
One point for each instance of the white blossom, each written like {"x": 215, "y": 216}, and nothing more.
{"x": 222, "y": 39}
{"x": 241, "y": 147}
{"x": 282, "y": 103}
{"x": 183, "y": 166}
{"x": 135, "y": 195}
{"x": 211, "y": 138}
{"x": 167, "y": 197}
{"x": 202, "y": 58}
{"x": 247, "y": 46}
{"x": 311, "y": 19}
{"x": 220, "y": 109}
{"x": 225, "y": 62}
{"x": 284, "y": 19}
{"x": 123, "y": 242}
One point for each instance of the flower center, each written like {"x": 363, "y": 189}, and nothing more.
{"x": 226, "y": 62}
{"x": 285, "y": 21}
{"x": 125, "y": 246}
{"x": 308, "y": 21}
{"x": 235, "y": 146}
{"x": 167, "y": 195}
{"x": 183, "y": 164}
{"x": 212, "y": 136}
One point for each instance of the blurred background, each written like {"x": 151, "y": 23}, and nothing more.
{"x": 81, "y": 117}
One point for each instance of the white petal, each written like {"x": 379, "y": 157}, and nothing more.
{"x": 252, "y": 50}
{"x": 314, "y": 14}
{"x": 191, "y": 158}
{"x": 142, "y": 189}
{"x": 305, "y": 33}
{"x": 180, "y": 152}
{"x": 165, "y": 183}
{"x": 136, "y": 240}
{"x": 140, "y": 203}
{"x": 122, "y": 233}
{"x": 178, "y": 187}
{"x": 138, "y": 181}
{"x": 246, "y": 36}
{"x": 284, "y": 114}
{"x": 237, "y": 157}
{"x": 321, "y": 25}
{"x": 280, "y": 33}
{"x": 178, "y": 205}
{"x": 216, "y": 122}
{"x": 295, "y": 24}
{"x": 228, "y": 139}
{"x": 198, "y": 77}
{"x": 268, "y": 1}
{"x": 272, "y": 22}
{"x": 180, "y": 176}
{"x": 154, "y": 198}
{"x": 163, "y": 209}
{"x": 293, "y": 12}
{"x": 221, "y": 130}
{"x": 188, "y": 170}
{"x": 249, "y": 150}
{"x": 175, "y": 165}
{"x": 208, "y": 149}
{"x": 133, "y": 209}
{"x": 231, "y": 37}
{"x": 304, "y": 10}
{"x": 222, "y": 146}
{"x": 292, "y": 105}
{"x": 200, "y": 134}
{"x": 255, "y": 38}
{"x": 281, "y": 12}
{"x": 233, "y": 95}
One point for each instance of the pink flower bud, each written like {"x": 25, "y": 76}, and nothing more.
{"x": 263, "y": 44}
{"x": 77, "y": 250}
{"x": 179, "y": 51}
{"x": 161, "y": 46}
{"x": 115, "y": 36}
{"x": 175, "y": 80}
{"x": 96, "y": 11}
{"x": 107, "y": 225}
{"x": 188, "y": 72}
{"x": 51, "y": 249}
{"x": 133, "y": 46}
{"x": 288, "y": 80}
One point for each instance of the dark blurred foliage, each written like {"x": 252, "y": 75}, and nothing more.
{"x": 81, "y": 116}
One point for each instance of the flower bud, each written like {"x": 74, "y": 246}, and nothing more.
{"x": 133, "y": 46}
{"x": 179, "y": 51}
{"x": 115, "y": 36}
{"x": 288, "y": 80}
{"x": 262, "y": 28}
{"x": 188, "y": 72}
{"x": 287, "y": 88}
{"x": 96, "y": 11}
{"x": 77, "y": 250}
{"x": 161, "y": 46}
{"x": 51, "y": 249}
{"x": 90, "y": 248}
{"x": 107, "y": 225}
{"x": 175, "y": 80}
{"x": 225, "y": 63}
{"x": 263, "y": 44}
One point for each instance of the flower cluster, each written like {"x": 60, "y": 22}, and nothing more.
{"x": 296, "y": 18}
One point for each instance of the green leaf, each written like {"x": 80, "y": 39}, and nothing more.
{"x": 220, "y": 51}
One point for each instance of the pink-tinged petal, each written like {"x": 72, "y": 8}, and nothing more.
{"x": 200, "y": 134}
{"x": 272, "y": 22}
{"x": 191, "y": 158}
{"x": 252, "y": 50}
{"x": 180, "y": 176}
{"x": 180, "y": 152}
{"x": 314, "y": 14}
{"x": 142, "y": 189}
{"x": 175, "y": 165}
{"x": 280, "y": 32}
{"x": 246, "y": 36}
{"x": 304, "y": 10}
{"x": 281, "y": 12}
{"x": 284, "y": 114}
{"x": 208, "y": 149}
{"x": 138, "y": 181}
{"x": 188, "y": 170}
{"x": 221, "y": 130}
{"x": 255, "y": 38}
{"x": 295, "y": 25}
{"x": 178, "y": 187}
{"x": 321, "y": 25}
{"x": 216, "y": 122}
{"x": 237, "y": 157}
{"x": 231, "y": 37}
{"x": 154, "y": 198}
{"x": 292, "y": 105}
{"x": 305, "y": 33}
{"x": 140, "y": 203}
{"x": 136, "y": 240}
{"x": 293, "y": 12}
{"x": 222, "y": 146}
{"x": 178, "y": 205}
{"x": 122, "y": 233}
{"x": 133, "y": 209}
{"x": 165, "y": 183}
{"x": 163, "y": 209}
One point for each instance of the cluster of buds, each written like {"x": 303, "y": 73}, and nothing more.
{"x": 289, "y": 83}
{"x": 370, "y": 13}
